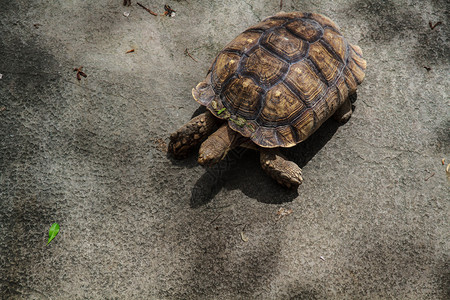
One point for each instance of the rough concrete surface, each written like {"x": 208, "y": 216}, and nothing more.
{"x": 371, "y": 220}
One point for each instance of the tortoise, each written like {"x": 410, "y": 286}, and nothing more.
{"x": 272, "y": 87}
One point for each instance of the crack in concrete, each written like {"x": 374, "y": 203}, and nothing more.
{"x": 387, "y": 148}
{"x": 253, "y": 12}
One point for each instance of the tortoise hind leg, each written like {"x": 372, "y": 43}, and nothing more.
{"x": 191, "y": 134}
{"x": 344, "y": 112}
{"x": 285, "y": 172}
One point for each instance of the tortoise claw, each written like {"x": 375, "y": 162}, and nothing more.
{"x": 191, "y": 134}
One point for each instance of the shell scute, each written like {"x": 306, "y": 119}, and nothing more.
{"x": 225, "y": 66}
{"x": 332, "y": 99}
{"x": 350, "y": 81}
{"x": 267, "y": 24}
{"x": 342, "y": 89}
{"x": 305, "y": 82}
{"x": 336, "y": 43}
{"x": 285, "y": 44}
{"x": 264, "y": 67}
{"x": 306, "y": 29}
{"x": 324, "y": 21}
{"x": 286, "y": 135}
{"x": 281, "y": 106}
{"x": 320, "y": 111}
{"x": 325, "y": 62}
{"x": 304, "y": 124}
{"x": 243, "y": 97}
{"x": 244, "y": 42}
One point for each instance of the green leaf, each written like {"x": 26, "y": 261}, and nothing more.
{"x": 221, "y": 111}
{"x": 53, "y": 232}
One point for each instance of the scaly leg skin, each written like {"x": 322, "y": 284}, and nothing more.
{"x": 191, "y": 134}
{"x": 284, "y": 171}
{"x": 344, "y": 112}
{"x": 216, "y": 147}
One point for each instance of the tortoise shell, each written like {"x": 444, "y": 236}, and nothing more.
{"x": 279, "y": 80}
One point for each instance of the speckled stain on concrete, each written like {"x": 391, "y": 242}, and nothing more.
{"x": 370, "y": 221}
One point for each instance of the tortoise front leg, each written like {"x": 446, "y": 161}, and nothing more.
{"x": 216, "y": 147}
{"x": 344, "y": 112}
{"x": 191, "y": 134}
{"x": 285, "y": 172}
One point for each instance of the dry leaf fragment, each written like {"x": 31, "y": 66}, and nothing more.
{"x": 130, "y": 51}
{"x": 283, "y": 212}
{"x": 244, "y": 237}
{"x": 80, "y": 73}
{"x": 443, "y": 161}
{"x": 447, "y": 170}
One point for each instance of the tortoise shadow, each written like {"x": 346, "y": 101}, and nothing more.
{"x": 241, "y": 162}
{"x": 241, "y": 170}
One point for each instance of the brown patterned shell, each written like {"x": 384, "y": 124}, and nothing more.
{"x": 279, "y": 80}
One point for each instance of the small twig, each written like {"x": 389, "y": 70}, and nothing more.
{"x": 188, "y": 54}
{"x": 433, "y": 26}
{"x": 215, "y": 219}
{"x": 130, "y": 51}
{"x": 283, "y": 212}
{"x": 281, "y": 4}
{"x": 431, "y": 175}
{"x": 148, "y": 10}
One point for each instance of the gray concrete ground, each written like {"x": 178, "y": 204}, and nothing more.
{"x": 371, "y": 220}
